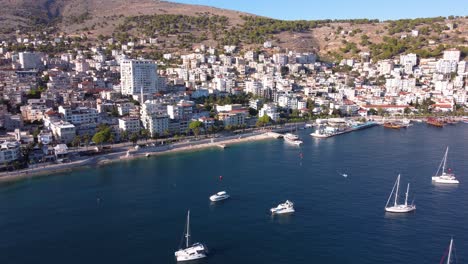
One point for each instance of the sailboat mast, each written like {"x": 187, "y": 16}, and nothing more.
{"x": 397, "y": 188}
{"x": 187, "y": 236}
{"x": 450, "y": 251}
{"x": 406, "y": 198}
{"x": 445, "y": 160}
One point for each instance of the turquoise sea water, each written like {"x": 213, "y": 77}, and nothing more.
{"x": 134, "y": 212}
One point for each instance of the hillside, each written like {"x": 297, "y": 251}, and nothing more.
{"x": 180, "y": 26}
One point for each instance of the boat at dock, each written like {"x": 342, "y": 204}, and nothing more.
{"x": 334, "y": 130}
{"x": 392, "y": 125}
{"x": 292, "y": 139}
{"x": 435, "y": 122}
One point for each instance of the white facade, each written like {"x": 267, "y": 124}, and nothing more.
{"x": 129, "y": 124}
{"x": 452, "y": 55}
{"x": 9, "y": 151}
{"x": 138, "y": 76}
{"x": 269, "y": 110}
{"x": 30, "y": 60}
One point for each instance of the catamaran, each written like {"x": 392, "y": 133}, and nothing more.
{"x": 190, "y": 252}
{"x": 445, "y": 177}
{"x": 399, "y": 208}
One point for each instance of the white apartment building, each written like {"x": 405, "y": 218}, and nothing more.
{"x": 64, "y": 132}
{"x": 446, "y": 66}
{"x": 270, "y": 110}
{"x": 158, "y": 124}
{"x": 183, "y": 110}
{"x": 233, "y": 118}
{"x": 129, "y": 124}
{"x": 80, "y": 115}
{"x": 9, "y": 151}
{"x": 138, "y": 76}
{"x": 30, "y": 60}
{"x": 386, "y": 67}
{"x": 452, "y": 55}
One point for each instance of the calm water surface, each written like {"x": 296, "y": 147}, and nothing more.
{"x": 134, "y": 212}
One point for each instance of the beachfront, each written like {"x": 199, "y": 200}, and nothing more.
{"x": 133, "y": 153}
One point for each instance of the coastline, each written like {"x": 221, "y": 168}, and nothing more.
{"x": 105, "y": 159}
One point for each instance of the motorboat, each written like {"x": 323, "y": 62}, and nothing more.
{"x": 284, "y": 208}
{"x": 219, "y": 196}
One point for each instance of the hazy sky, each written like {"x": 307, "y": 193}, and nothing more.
{"x": 341, "y": 9}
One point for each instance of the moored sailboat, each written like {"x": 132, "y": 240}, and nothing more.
{"x": 190, "y": 252}
{"x": 399, "y": 208}
{"x": 445, "y": 177}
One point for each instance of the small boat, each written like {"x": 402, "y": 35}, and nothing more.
{"x": 190, "y": 252}
{"x": 219, "y": 196}
{"x": 399, "y": 208}
{"x": 435, "y": 122}
{"x": 445, "y": 177}
{"x": 292, "y": 138}
{"x": 392, "y": 125}
{"x": 449, "y": 253}
{"x": 147, "y": 155}
{"x": 284, "y": 208}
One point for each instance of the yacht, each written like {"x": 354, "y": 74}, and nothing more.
{"x": 284, "y": 208}
{"x": 292, "y": 138}
{"x": 219, "y": 196}
{"x": 190, "y": 252}
{"x": 445, "y": 177}
{"x": 399, "y": 208}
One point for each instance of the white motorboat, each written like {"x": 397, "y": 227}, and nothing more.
{"x": 445, "y": 177}
{"x": 399, "y": 208}
{"x": 190, "y": 252}
{"x": 292, "y": 138}
{"x": 219, "y": 196}
{"x": 284, "y": 208}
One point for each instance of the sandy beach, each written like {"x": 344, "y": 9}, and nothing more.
{"x": 46, "y": 170}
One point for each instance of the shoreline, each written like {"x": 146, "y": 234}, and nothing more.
{"x": 111, "y": 158}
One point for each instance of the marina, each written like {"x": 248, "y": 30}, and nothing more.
{"x": 139, "y": 208}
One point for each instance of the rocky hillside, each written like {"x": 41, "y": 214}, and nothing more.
{"x": 181, "y": 26}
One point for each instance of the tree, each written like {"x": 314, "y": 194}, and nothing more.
{"x": 252, "y": 111}
{"x": 381, "y": 111}
{"x": 76, "y": 141}
{"x": 196, "y": 126}
{"x": 407, "y": 111}
{"x": 145, "y": 133}
{"x": 124, "y": 135}
{"x": 263, "y": 121}
{"x": 134, "y": 138}
{"x": 372, "y": 111}
{"x": 103, "y": 135}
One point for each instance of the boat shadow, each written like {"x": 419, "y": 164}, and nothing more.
{"x": 281, "y": 218}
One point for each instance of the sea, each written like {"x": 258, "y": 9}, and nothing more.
{"x": 135, "y": 211}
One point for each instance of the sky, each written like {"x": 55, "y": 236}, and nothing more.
{"x": 341, "y": 9}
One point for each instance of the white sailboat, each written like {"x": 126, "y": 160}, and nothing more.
{"x": 445, "y": 177}
{"x": 399, "y": 208}
{"x": 190, "y": 252}
{"x": 449, "y": 254}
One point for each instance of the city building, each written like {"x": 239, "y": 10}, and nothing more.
{"x": 138, "y": 77}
